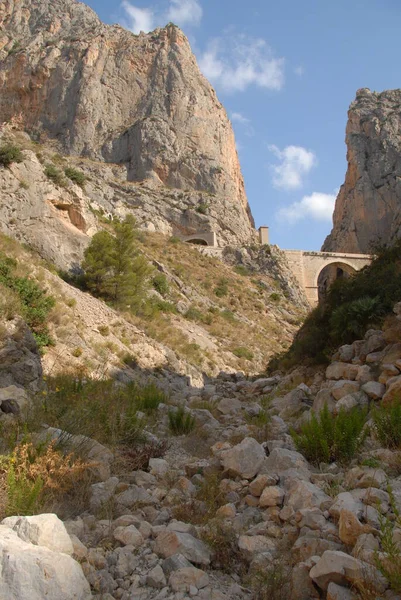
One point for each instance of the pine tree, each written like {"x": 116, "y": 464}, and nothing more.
{"x": 114, "y": 268}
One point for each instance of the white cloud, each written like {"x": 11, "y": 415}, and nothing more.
{"x": 295, "y": 162}
{"x": 236, "y": 62}
{"x": 185, "y": 12}
{"x": 140, "y": 19}
{"x": 237, "y": 117}
{"x": 317, "y": 206}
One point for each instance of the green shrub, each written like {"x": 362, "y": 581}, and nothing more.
{"x": 241, "y": 270}
{"x": 389, "y": 560}
{"x": 275, "y": 297}
{"x": 33, "y": 304}
{"x": 387, "y": 424}
{"x": 10, "y": 154}
{"x": 160, "y": 283}
{"x": 228, "y": 315}
{"x": 54, "y": 174}
{"x": 202, "y": 208}
{"x": 149, "y": 397}
{"x": 332, "y": 438}
{"x": 180, "y": 421}
{"x": 350, "y": 320}
{"x": 174, "y": 239}
{"x": 76, "y": 176}
{"x": 222, "y": 288}
{"x": 242, "y": 352}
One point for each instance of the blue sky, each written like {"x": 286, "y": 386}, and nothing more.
{"x": 286, "y": 72}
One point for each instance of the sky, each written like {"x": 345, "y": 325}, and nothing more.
{"x": 286, "y": 72}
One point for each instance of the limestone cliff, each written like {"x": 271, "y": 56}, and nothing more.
{"x": 102, "y": 92}
{"x": 368, "y": 207}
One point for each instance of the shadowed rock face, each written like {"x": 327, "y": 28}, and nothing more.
{"x": 105, "y": 93}
{"x": 368, "y": 207}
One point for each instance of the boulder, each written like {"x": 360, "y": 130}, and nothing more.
{"x": 175, "y": 562}
{"x": 102, "y": 492}
{"x": 42, "y": 530}
{"x": 271, "y": 496}
{"x": 341, "y": 568}
{"x": 172, "y": 542}
{"x": 156, "y": 578}
{"x": 302, "y": 494}
{"x": 393, "y": 391}
{"x": 182, "y": 579}
{"x": 343, "y": 388}
{"x": 341, "y": 370}
{"x": 281, "y": 459}
{"x": 338, "y": 592}
{"x": 323, "y": 397}
{"x": 128, "y": 536}
{"x": 374, "y": 389}
{"x": 350, "y": 528}
{"x": 228, "y": 406}
{"x": 31, "y": 572}
{"x": 158, "y": 466}
{"x": 245, "y": 459}
{"x": 257, "y": 486}
{"x": 255, "y": 544}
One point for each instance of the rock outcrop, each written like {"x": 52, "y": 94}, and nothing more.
{"x": 368, "y": 207}
{"x": 102, "y": 92}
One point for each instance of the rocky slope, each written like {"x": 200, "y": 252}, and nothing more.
{"x": 368, "y": 207}
{"x": 137, "y": 101}
{"x": 233, "y": 511}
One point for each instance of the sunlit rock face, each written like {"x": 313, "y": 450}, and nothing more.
{"x": 136, "y": 100}
{"x": 368, "y": 206}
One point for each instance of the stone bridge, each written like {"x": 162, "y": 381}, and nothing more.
{"x": 315, "y": 271}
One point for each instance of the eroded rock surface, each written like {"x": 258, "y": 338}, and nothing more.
{"x": 368, "y": 207}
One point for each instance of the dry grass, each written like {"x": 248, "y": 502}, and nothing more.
{"x": 36, "y": 477}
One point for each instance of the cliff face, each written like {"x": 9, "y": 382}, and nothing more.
{"x": 139, "y": 101}
{"x": 368, "y": 207}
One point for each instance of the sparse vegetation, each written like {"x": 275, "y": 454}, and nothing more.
{"x": 221, "y": 289}
{"x": 54, "y": 174}
{"x": 387, "y": 424}
{"x": 202, "y": 208}
{"x": 160, "y": 283}
{"x": 76, "y": 176}
{"x": 332, "y": 438}
{"x": 181, "y": 422}
{"x": 26, "y": 298}
{"x": 242, "y": 352}
{"x": 9, "y": 153}
{"x": 241, "y": 270}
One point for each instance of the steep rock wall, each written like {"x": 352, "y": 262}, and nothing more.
{"x": 105, "y": 93}
{"x": 368, "y": 206}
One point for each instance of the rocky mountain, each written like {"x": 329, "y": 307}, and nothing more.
{"x": 368, "y": 207}
{"x": 140, "y": 102}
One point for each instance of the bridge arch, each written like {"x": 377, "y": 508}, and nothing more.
{"x": 308, "y": 266}
{"x": 330, "y": 272}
